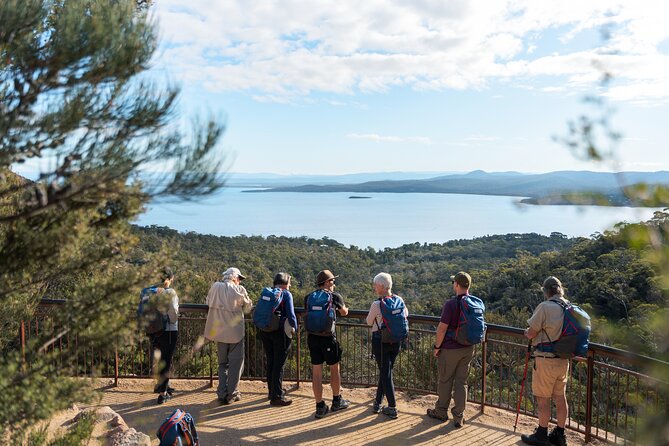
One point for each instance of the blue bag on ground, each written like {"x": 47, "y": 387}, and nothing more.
{"x": 178, "y": 430}
{"x": 265, "y": 315}
{"x": 395, "y": 326}
{"x": 575, "y": 336}
{"x": 471, "y": 321}
{"x": 320, "y": 313}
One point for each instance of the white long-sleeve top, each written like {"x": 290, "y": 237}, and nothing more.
{"x": 375, "y": 314}
{"x": 225, "y": 320}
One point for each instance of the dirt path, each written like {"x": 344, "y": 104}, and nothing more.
{"x": 253, "y": 420}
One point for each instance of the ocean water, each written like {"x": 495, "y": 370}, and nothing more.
{"x": 383, "y": 220}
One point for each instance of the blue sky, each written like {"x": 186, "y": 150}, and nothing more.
{"x": 427, "y": 85}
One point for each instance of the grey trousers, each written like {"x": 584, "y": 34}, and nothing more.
{"x": 453, "y": 374}
{"x": 230, "y": 366}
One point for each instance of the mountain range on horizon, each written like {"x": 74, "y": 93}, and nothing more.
{"x": 559, "y": 187}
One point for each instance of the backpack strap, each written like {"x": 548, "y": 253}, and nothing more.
{"x": 564, "y": 309}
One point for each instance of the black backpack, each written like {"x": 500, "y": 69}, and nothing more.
{"x": 151, "y": 319}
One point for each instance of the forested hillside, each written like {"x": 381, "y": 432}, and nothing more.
{"x": 601, "y": 273}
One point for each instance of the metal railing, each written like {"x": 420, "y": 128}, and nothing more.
{"x": 608, "y": 392}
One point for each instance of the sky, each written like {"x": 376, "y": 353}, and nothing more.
{"x": 325, "y": 87}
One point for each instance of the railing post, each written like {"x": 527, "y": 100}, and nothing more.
{"x": 588, "y": 397}
{"x": 484, "y": 363}
{"x": 116, "y": 365}
{"x": 298, "y": 357}
{"x": 23, "y": 341}
{"x": 211, "y": 365}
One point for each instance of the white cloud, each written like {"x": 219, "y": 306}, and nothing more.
{"x": 385, "y": 138}
{"x": 290, "y": 49}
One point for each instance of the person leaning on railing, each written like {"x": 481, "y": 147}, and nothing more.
{"x": 550, "y": 373}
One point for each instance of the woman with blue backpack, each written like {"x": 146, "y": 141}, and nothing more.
{"x": 390, "y": 328}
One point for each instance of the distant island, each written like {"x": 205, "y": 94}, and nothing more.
{"x": 552, "y": 188}
{"x": 357, "y": 197}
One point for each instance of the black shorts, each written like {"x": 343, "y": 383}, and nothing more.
{"x": 324, "y": 349}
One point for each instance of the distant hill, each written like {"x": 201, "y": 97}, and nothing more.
{"x": 561, "y": 187}
{"x": 265, "y": 180}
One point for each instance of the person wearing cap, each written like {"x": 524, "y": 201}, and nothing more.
{"x": 550, "y": 373}
{"x": 228, "y": 301}
{"x": 277, "y": 343}
{"x": 454, "y": 359}
{"x": 326, "y": 348}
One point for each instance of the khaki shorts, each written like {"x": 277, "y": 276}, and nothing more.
{"x": 549, "y": 376}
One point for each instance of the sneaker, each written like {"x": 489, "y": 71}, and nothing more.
{"x": 234, "y": 397}
{"x": 376, "y": 407}
{"x": 321, "y": 411}
{"x": 163, "y": 397}
{"x": 437, "y": 415}
{"x": 536, "y": 439}
{"x": 340, "y": 404}
{"x": 280, "y": 402}
{"x": 458, "y": 423}
{"x": 557, "y": 439}
{"x": 390, "y": 412}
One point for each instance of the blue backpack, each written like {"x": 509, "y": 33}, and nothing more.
{"x": 178, "y": 430}
{"x": 395, "y": 326}
{"x": 149, "y": 316}
{"x": 471, "y": 323}
{"x": 575, "y": 336}
{"x": 320, "y": 313}
{"x": 264, "y": 315}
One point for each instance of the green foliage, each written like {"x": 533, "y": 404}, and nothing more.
{"x": 74, "y": 97}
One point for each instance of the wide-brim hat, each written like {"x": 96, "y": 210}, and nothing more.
{"x": 324, "y": 276}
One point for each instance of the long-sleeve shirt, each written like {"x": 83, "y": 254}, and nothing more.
{"x": 375, "y": 314}
{"x": 227, "y": 304}
{"x": 288, "y": 311}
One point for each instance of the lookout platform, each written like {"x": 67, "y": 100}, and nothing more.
{"x": 253, "y": 420}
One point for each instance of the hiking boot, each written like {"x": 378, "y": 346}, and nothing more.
{"x": 538, "y": 438}
{"x": 223, "y": 400}
{"x": 458, "y": 423}
{"x": 390, "y": 412}
{"x": 163, "y": 397}
{"x": 557, "y": 439}
{"x": 376, "y": 407}
{"x": 280, "y": 402}
{"x": 340, "y": 404}
{"x": 437, "y": 415}
{"x": 321, "y": 411}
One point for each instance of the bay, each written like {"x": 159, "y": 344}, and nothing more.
{"x": 384, "y": 219}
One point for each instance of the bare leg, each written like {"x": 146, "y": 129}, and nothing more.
{"x": 317, "y": 382}
{"x": 544, "y": 409}
{"x": 335, "y": 379}
{"x": 561, "y": 409}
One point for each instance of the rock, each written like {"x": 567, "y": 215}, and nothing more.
{"x": 130, "y": 437}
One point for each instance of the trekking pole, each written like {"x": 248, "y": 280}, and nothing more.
{"x": 522, "y": 385}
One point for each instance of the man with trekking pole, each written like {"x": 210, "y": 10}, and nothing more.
{"x": 550, "y": 372}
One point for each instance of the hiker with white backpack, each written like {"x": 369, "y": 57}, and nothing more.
{"x": 388, "y": 319}
{"x": 321, "y": 308}
{"x": 461, "y": 327}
